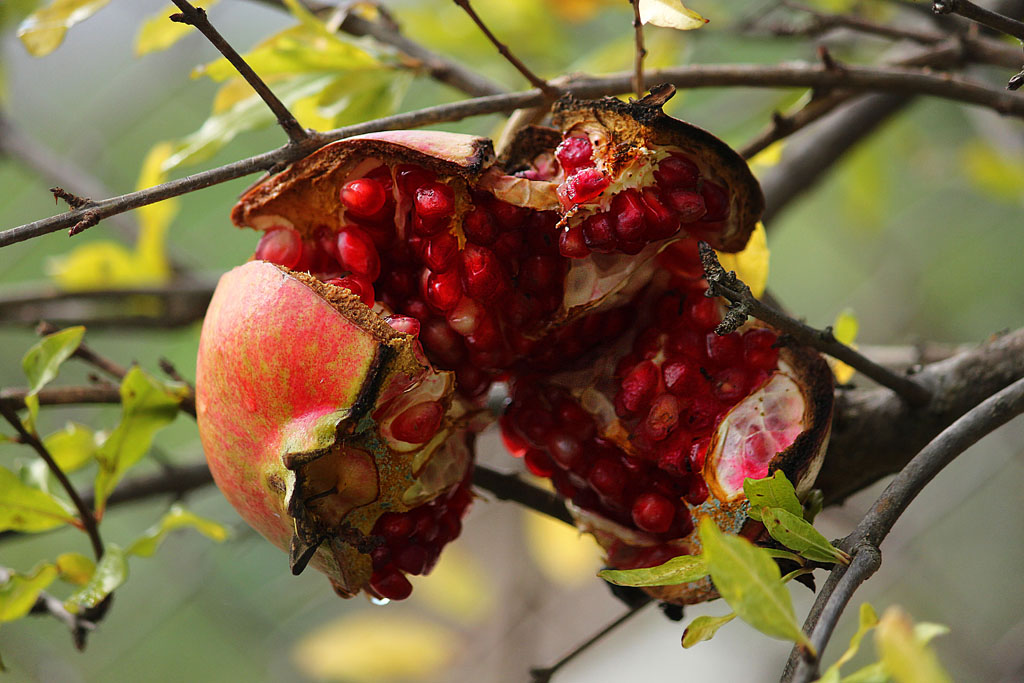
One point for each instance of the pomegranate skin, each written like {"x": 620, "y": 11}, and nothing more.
{"x": 297, "y": 383}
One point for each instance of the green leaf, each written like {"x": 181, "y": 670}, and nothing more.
{"x": 868, "y": 620}
{"x": 176, "y": 518}
{"x": 159, "y": 33}
{"x": 704, "y": 628}
{"x": 774, "y": 492}
{"x": 75, "y": 568}
{"x": 19, "y": 592}
{"x": 43, "y": 31}
{"x": 777, "y": 554}
{"x": 682, "y": 569}
{"x": 905, "y": 657}
{"x": 42, "y": 362}
{"x": 147, "y": 405}
{"x": 71, "y": 447}
{"x": 111, "y": 572}
{"x": 872, "y": 673}
{"x": 797, "y": 534}
{"x": 27, "y": 509}
{"x": 750, "y": 581}
{"x": 927, "y": 631}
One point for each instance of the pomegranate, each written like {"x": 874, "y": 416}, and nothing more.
{"x": 666, "y": 426}
{"x": 329, "y": 431}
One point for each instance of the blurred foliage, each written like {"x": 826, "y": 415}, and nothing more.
{"x": 911, "y": 230}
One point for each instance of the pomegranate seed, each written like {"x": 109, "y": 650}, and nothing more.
{"x": 471, "y": 380}
{"x": 535, "y": 424}
{"x": 628, "y": 211}
{"x": 716, "y": 199}
{"x": 682, "y": 376}
{"x": 582, "y": 186}
{"x": 639, "y": 386}
{"x": 682, "y": 258}
{"x": 482, "y": 273}
{"x": 480, "y": 227}
{"x": 356, "y": 284}
{"x": 357, "y": 254}
{"x": 450, "y": 527}
{"x": 465, "y": 317}
{"x": 363, "y": 196}
{"x": 663, "y": 416}
{"x": 701, "y": 413}
{"x": 724, "y": 350}
{"x": 418, "y": 423}
{"x": 703, "y": 313}
{"x": 599, "y": 234}
{"x": 391, "y": 584}
{"x": 677, "y": 171}
{"x": 411, "y": 178}
{"x": 380, "y": 557}
{"x": 404, "y": 324}
{"x": 757, "y": 349}
{"x": 571, "y": 243}
{"x": 730, "y": 385}
{"x": 574, "y": 153}
{"x": 441, "y": 253}
{"x": 565, "y": 449}
{"x": 394, "y": 526}
{"x": 698, "y": 453}
{"x": 539, "y": 463}
{"x": 688, "y": 204}
{"x": 424, "y": 528}
{"x": 443, "y": 343}
{"x": 540, "y": 274}
{"x": 282, "y": 246}
{"x": 443, "y": 290}
{"x": 608, "y": 477}
{"x": 485, "y": 337}
{"x": 653, "y": 512}
{"x": 434, "y": 200}
{"x": 411, "y": 559}
{"x": 514, "y": 443}
{"x": 509, "y": 217}
{"x": 573, "y": 418}
{"x": 696, "y": 493}
{"x": 429, "y": 226}
{"x": 662, "y": 222}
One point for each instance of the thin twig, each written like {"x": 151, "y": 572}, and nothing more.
{"x": 14, "y": 398}
{"x": 641, "y": 52}
{"x": 544, "y": 675}
{"x": 981, "y": 15}
{"x": 510, "y": 487}
{"x": 879, "y": 520}
{"x": 85, "y": 515}
{"x": 196, "y": 16}
{"x": 533, "y": 78}
{"x": 721, "y": 283}
{"x": 882, "y": 78}
{"x": 85, "y": 353}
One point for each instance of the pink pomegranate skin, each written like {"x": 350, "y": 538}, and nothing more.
{"x": 295, "y": 385}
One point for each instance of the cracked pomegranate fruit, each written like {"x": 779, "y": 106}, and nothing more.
{"x": 328, "y": 430}
{"x": 667, "y": 424}
{"x": 398, "y": 274}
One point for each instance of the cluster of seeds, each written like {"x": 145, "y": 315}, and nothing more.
{"x": 413, "y": 541}
{"x": 672, "y": 389}
{"x": 679, "y": 197}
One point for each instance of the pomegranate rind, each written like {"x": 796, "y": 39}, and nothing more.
{"x": 290, "y": 374}
{"x": 305, "y": 194}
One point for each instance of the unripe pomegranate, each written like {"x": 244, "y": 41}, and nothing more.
{"x": 328, "y": 430}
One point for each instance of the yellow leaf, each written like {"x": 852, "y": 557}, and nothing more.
{"x": 844, "y": 329}
{"x": 670, "y": 14}
{"x": 458, "y": 587}
{"x": 75, "y": 568}
{"x": 155, "y": 219}
{"x": 96, "y": 265}
{"x": 906, "y": 658}
{"x": 373, "y": 646}
{"x": 230, "y": 94}
{"x": 751, "y": 264}
{"x": 159, "y": 33}
{"x": 43, "y": 31}
{"x": 993, "y": 171}
{"x": 562, "y": 553}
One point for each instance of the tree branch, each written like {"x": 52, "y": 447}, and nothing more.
{"x": 14, "y": 398}
{"x": 533, "y": 78}
{"x": 889, "y": 79}
{"x": 981, "y": 15}
{"x": 745, "y": 304}
{"x": 985, "y": 418}
{"x": 638, "y": 61}
{"x": 511, "y": 487}
{"x": 196, "y": 16}
{"x": 78, "y": 624}
{"x": 85, "y": 515}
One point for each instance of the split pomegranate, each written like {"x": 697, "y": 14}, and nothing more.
{"x": 328, "y": 430}
{"x": 663, "y": 430}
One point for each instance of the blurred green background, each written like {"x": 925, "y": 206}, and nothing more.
{"x": 918, "y": 230}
